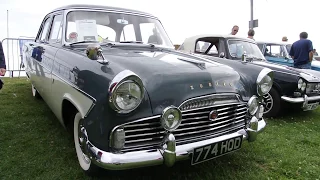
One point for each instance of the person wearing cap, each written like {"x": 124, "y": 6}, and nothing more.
{"x": 284, "y": 39}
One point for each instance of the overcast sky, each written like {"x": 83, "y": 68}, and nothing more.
{"x": 183, "y": 18}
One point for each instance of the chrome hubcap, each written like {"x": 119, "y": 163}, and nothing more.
{"x": 268, "y": 100}
{"x": 82, "y": 138}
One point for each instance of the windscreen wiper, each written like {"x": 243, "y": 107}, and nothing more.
{"x": 80, "y": 42}
{"x": 128, "y": 42}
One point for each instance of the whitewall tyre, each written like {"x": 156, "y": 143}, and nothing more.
{"x": 79, "y": 141}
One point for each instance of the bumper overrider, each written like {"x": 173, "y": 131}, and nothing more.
{"x": 169, "y": 153}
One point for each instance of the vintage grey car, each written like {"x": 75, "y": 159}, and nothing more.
{"x": 291, "y": 86}
{"x": 113, "y": 78}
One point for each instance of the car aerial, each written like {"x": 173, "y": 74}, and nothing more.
{"x": 291, "y": 86}
{"x": 278, "y": 52}
{"x": 113, "y": 78}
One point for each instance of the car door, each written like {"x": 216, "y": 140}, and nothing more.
{"x": 38, "y": 56}
{"x": 52, "y": 46}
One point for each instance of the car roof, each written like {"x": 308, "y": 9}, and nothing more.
{"x": 219, "y": 36}
{"x": 273, "y": 42}
{"x": 100, "y": 7}
{"x": 189, "y": 42}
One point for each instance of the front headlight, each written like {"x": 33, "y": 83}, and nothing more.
{"x": 125, "y": 92}
{"x": 253, "y": 105}
{"x": 264, "y": 81}
{"x": 302, "y": 84}
{"x": 127, "y": 95}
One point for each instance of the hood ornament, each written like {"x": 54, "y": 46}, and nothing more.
{"x": 94, "y": 52}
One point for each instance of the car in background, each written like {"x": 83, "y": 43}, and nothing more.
{"x": 113, "y": 78}
{"x": 294, "y": 86}
{"x": 278, "y": 52}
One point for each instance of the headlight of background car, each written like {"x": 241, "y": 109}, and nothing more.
{"x": 126, "y": 92}
{"x": 253, "y": 105}
{"x": 302, "y": 84}
{"x": 264, "y": 81}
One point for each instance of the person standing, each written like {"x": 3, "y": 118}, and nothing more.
{"x": 251, "y": 33}
{"x": 315, "y": 52}
{"x": 2, "y": 64}
{"x": 302, "y": 52}
{"x": 2, "y": 61}
{"x": 234, "y": 30}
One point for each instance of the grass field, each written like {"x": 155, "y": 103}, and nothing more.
{"x": 33, "y": 145}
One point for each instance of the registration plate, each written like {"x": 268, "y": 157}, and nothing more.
{"x": 214, "y": 150}
{"x": 311, "y": 106}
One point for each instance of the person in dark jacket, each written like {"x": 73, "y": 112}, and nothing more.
{"x": 2, "y": 61}
{"x": 2, "y": 64}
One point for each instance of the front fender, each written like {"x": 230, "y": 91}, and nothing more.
{"x": 81, "y": 102}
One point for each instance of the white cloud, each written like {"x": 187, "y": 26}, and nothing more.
{"x": 181, "y": 19}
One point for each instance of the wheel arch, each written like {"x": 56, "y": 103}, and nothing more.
{"x": 71, "y": 105}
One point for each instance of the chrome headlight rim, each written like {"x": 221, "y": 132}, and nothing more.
{"x": 251, "y": 102}
{"x": 163, "y": 116}
{"x": 265, "y": 73}
{"x": 302, "y": 84}
{"x": 121, "y": 78}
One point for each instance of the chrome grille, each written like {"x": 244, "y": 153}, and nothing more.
{"x": 313, "y": 88}
{"x": 147, "y": 134}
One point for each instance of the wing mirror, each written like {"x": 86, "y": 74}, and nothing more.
{"x": 221, "y": 55}
{"x": 94, "y": 52}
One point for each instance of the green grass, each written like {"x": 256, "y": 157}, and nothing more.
{"x": 33, "y": 145}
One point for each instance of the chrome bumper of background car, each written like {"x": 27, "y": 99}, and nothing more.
{"x": 305, "y": 100}
{"x": 300, "y": 99}
{"x": 169, "y": 154}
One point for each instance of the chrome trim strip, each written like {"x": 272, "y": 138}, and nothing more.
{"x": 286, "y": 73}
{"x": 207, "y": 96}
{"x": 74, "y": 86}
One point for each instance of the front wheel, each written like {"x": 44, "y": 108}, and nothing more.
{"x": 272, "y": 103}
{"x": 80, "y": 145}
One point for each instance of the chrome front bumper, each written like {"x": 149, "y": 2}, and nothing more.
{"x": 168, "y": 154}
{"x": 305, "y": 100}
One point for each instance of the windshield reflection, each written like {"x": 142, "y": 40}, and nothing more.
{"x": 238, "y": 47}
{"x": 103, "y": 27}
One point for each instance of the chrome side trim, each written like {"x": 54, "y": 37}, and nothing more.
{"x": 74, "y": 86}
